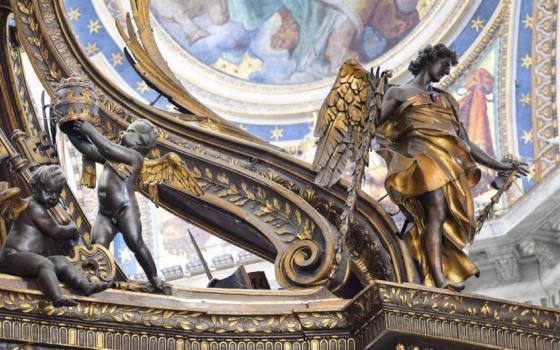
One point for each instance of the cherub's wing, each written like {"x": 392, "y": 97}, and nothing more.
{"x": 11, "y": 204}
{"x": 340, "y": 123}
{"x": 168, "y": 170}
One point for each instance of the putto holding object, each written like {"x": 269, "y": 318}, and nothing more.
{"x": 125, "y": 171}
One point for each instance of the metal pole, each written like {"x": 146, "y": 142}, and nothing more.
{"x": 199, "y": 253}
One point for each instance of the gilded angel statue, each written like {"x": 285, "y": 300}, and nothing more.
{"x": 432, "y": 165}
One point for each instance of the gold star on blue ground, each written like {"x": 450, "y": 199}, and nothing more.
{"x": 91, "y": 49}
{"x": 74, "y": 14}
{"x": 94, "y": 26}
{"x": 276, "y": 133}
{"x": 525, "y": 99}
{"x": 142, "y": 86}
{"x": 527, "y": 136}
{"x": 116, "y": 58}
{"x": 526, "y": 61}
{"x": 528, "y": 21}
{"x": 477, "y": 24}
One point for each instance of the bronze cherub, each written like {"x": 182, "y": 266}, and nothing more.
{"x": 24, "y": 252}
{"x": 125, "y": 171}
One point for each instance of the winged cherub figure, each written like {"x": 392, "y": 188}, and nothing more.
{"x": 432, "y": 165}
{"x": 24, "y": 252}
{"x": 125, "y": 171}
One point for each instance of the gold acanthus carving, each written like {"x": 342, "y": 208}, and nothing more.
{"x": 470, "y": 308}
{"x": 191, "y": 321}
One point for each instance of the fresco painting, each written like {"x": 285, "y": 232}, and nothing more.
{"x": 477, "y": 94}
{"x": 286, "y": 41}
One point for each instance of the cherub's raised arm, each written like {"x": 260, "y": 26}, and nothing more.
{"x": 86, "y": 148}
{"x": 107, "y": 149}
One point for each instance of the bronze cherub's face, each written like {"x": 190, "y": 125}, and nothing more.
{"x": 131, "y": 137}
{"x": 438, "y": 69}
{"x": 138, "y": 137}
{"x": 48, "y": 194}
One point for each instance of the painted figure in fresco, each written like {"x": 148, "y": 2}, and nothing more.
{"x": 432, "y": 169}
{"x": 296, "y": 40}
{"x": 24, "y": 251}
{"x": 126, "y": 169}
{"x": 184, "y": 12}
{"x": 474, "y": 113}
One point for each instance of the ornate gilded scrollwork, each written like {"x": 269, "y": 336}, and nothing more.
{"x": 96, "y": 261}
{"x": 304, "y": 253}
{"x": 307, "y": 255}
{"x": 363, "y": 247}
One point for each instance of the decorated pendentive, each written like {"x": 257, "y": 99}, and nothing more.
{"x": 75, "y": 99}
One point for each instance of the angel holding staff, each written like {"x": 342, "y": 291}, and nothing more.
{"x": 432, "y": 165}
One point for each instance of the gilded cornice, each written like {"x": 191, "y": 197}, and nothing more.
{"x": 380, "y": 316}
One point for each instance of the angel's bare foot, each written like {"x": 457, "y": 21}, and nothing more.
{"x": 64, "y": 301}
{"x": 456, "y": 287}
{"x": 287, "y": 36}
{"x": 158, "y": 283}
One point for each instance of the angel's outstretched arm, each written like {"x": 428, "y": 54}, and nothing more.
{"x": 86, "y": 148}
{"x": 109, "y": 150}
{"x": 481, "y": 157}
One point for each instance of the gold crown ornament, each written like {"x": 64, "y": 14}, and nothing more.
{"x": 74, "y": 99}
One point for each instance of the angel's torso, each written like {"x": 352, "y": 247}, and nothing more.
{"x": 115, "y": 191}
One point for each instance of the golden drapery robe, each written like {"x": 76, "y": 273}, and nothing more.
{"x": 424, "y": 153}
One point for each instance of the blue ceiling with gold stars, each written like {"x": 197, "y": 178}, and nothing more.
{"x": 494, "y": 30}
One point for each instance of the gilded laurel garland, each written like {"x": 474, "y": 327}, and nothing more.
{"x": 383, "y": 308}
{"x": 287, "y": 221}
{"x": 29, "y": 16}
{"x": 472, "y": 309}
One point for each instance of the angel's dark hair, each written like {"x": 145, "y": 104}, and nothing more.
{"x": 148, "y": 133}
{"x": 429, "y": 55}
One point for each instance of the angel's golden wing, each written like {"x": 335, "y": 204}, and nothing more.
{"x": 168, "y": 170}
{"x": 340, "y": 123}
{"x": 11, "y": 204}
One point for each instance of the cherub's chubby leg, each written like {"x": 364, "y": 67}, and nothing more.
{"x": 33, "y": 265}
{"x": 131, "y": 228}
{"x": 74, "y": 278}
{"x": 103, "y": 231}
